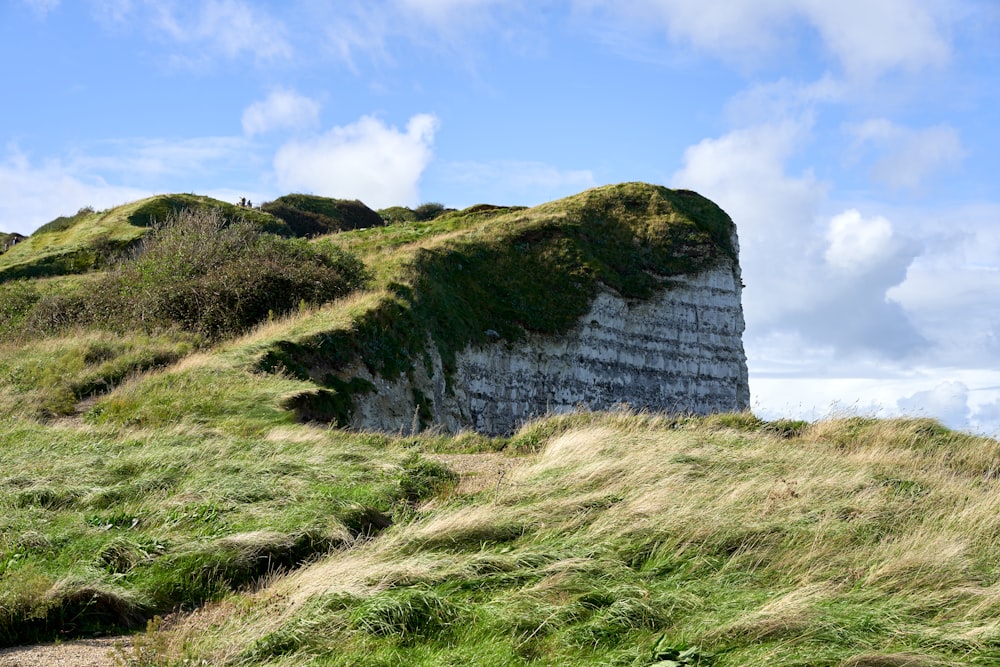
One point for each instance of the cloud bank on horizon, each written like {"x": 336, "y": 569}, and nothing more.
{"x": 854, "y": 144}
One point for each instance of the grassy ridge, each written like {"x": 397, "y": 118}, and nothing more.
{"x": 89, "y": 239}
{"x": 101, "y": 527}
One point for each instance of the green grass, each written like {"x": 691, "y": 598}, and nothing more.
{"x": 636, "y": 540}
{"x": 51, "y": 377}
{"x": 148, "y": 473}
{"x": 91, "y": 239}
{"x": 153, "y": 520}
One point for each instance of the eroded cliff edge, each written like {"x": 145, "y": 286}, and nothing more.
{"x": 680, "y": 351}
{"x": 622, "y": 295}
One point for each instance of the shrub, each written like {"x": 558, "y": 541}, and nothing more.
{"x": 203, "y": 274}
{"x": 308, "y": 215}
{"x": 397, "y": 214}
{"x": 428, "y": 211}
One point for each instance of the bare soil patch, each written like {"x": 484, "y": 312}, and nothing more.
{"x": 78, "y": 653}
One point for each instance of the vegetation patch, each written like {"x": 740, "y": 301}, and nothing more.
{"x": 309, "y": 216}
{"x": 92, "y": 240}
{"x": 672, "y": 572}
{"x": 102, "y": 528}
{"x": 199, "y": 272}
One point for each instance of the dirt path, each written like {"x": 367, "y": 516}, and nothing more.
{"x": 477, "y": 471}
{"x": 78, "y": 653}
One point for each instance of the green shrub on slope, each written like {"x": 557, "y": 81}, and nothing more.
{"x": 309, "y": 216}
{"x": 202, "y": 274}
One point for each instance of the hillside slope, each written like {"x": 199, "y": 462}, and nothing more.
{"x": 155, "y": 467}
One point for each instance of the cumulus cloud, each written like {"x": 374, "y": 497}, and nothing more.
{"x": 867, "y": 39}
{"x": 907, "y": 157}
{"x": 744, "y": 172}
{"x": 369, "y": 160}
{"x": 827, "y": 282}
{"x": 857, "y": 243}
{"x": 282, "y": 109}
{"x": 952, "y": 291}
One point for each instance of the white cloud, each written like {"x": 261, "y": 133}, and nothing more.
{"x": 857, "y": 243}
{"x": 948, "y": 401}
{"x": 952, "y": 291}
{"x": 908, "y": 156}
{"x": 32, "y": 194}
{"x": 447, "y": 25}
{"x": 367, "y": 160}
{"x": 870, "y": 38}
{"x": 744, "y": 172}
{"x": 228, "y": 27}
{"x": 819, "y": 281}
{"x": 866, "y": 38}
{"x": 283, "y": 109}
{"x": 150, "y": 158}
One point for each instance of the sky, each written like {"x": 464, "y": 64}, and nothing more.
{"x": 856, "y": 144}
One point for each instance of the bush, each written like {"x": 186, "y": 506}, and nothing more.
{"x": 309, "y": 216}
{"x": 428, "y": 211}
{"x": 205, "y": 275}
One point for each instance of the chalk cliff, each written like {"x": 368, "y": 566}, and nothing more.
{"x": 622, "y": 295}
{"x": 680, "y": 351}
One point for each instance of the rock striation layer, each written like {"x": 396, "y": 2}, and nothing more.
{"x": 679, "y": 352}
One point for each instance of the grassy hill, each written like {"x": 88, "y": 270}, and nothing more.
{"x": 89, "y": 239}
{"x": 152, "y": 466}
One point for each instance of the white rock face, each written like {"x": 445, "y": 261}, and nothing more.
{"x": 680, "y": 352}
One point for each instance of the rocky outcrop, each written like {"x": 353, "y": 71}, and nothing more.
{"x": 680, "y": 352}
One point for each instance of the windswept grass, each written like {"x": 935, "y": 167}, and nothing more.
{"x": 50, "y": 377}
{"x": 154, "y": 472}
{"x": 101, "y": 527}
{"x": 636, "y": 540}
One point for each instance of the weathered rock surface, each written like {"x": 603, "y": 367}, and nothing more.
{"x": 680, "y": 352}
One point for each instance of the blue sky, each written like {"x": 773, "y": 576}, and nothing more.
{"x": 855, "y": 143}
